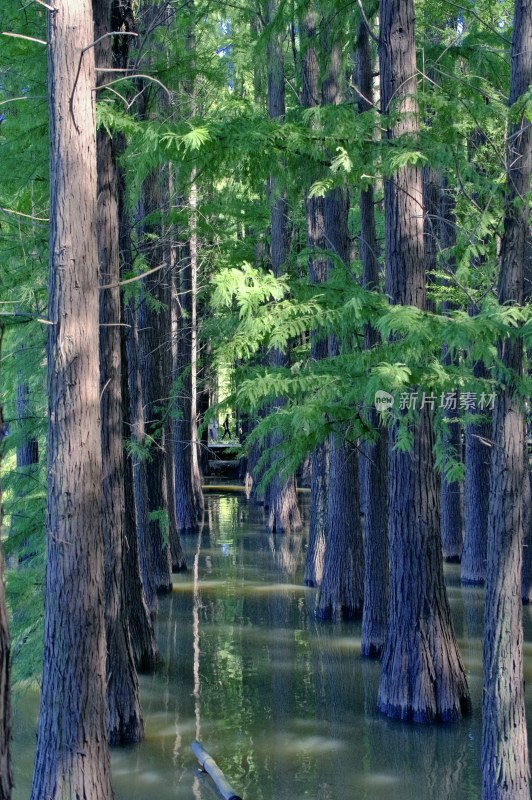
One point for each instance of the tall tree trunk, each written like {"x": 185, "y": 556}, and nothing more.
{"x": 141, "y": 630}
{"x": 153, "y": 335}
{"x": 451, "y": 517}
{"x": 317, "y": 273}
{"x": 373, "y": 461}
{"x": 189, "y": 495}
{"x": 341, "y": 589}
{"x": 123, "y": 703}
{"x": 6, "y": 775}
{"x": 283, "y": 512}
{"x": 72, "y": 757}
{"x": 422, "y": 677}
{"x": 505, "y": 767}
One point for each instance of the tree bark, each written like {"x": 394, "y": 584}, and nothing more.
{"x": 72, "y": 757}
{"x": 6, "y": 775}
{"x": 422, "y": 677}
{"x": 283, "y": 511}
{"x": 373, "y": 461}
{"x": 153, "y": 335}
{"x": 317, "y": 273}
{"x": 141, "y": 630}
{"x": 189, "y": 494}
{"x": 124, "y": 724}
{"x": 505, "y": 767}
{"x": 451, "y": 517}
{"x": 476, "y": 495}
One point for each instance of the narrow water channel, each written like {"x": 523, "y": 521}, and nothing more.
{"x": 284, "y": 703}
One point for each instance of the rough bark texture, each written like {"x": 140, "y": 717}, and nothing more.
{"x": 341, "y": 589}
{"x": 505, "y": 766}
{"x": 451, "y": 517}
{"x": 317, "y": 273}
{"x": 422, "y": 677}
{"x": 137, "y": 435}
{"x": 373, "y": 461}
{"x": 6, "y": 776}
{"x": 476, "y": 495}
{"x": 124, "y": 723}
{"x": 283, "y": 510}
{"x": 72, "y": 757}
{"x": 141, "y": 630}
{"x": 153, "y": 336}
{"x": 189, "y": 495}
{"x": 342, "y": 583}
{"x": 28, "y": 448}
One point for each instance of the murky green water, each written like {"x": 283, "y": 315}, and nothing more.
{"x": 284, "y": 704}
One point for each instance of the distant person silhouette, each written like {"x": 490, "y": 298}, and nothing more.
{"x": 226, "y": 432}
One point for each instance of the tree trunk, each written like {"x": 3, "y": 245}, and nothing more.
{"x": 6, "y": 776}
{"x": 153, "y": 335}
{"x": 124, "y": 722}
{"x": 141, "y": 630}
{"x": 422, "y": 677}
{"x": 341, "y": 589}
{"x": 317, "y": 273}
{"x": 72, "y": 757}
{"x": 189, "y": 495}
{"x": 505, "y": 767}
{"x": 476, "y": 495}
{"x": 451, "y": 517}
{"x": 373, "y": 461}
{"x": 283, "y": 511}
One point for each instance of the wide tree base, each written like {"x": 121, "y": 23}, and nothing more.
{"x": 408, "y": 713}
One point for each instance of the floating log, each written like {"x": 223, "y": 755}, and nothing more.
{"x": 209, "y": 765}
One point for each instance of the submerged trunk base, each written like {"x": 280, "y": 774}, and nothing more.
{"x": 427, "y": 716}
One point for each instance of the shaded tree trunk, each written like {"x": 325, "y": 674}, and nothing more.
{"x": 341, "y": 590}
{"x": 141, "y": 630}
{"x": 373, "y": 461}
{"x": 505, "y": 767}
{"x": 451, "y": 517}
{"x": 189, "y": 495}
{"x": 124, "y": 722}
{"x": 476, "y": 495}
{"x": 422, "y": 677}
{"x": 153, "y": 333}
{"x": 72, "y": 756}
{"x": 317, "y": 273}
{"x": 6, "y": 775}
{"x": 283, "y": 511}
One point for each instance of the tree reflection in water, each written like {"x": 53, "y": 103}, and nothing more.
{"x": 284, "y": 703}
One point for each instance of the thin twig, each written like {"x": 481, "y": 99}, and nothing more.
{"x": 146, "y": 77}
{"x": 135, "y": 278}
{"x": 21, "y": 36}
{"x": 20, "y": 214}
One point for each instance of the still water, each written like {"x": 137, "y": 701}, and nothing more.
{"x": 284, "y": 703}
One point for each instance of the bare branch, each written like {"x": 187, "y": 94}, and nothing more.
{"x": 21, "y": 36}
{"x": 135, "y": 278}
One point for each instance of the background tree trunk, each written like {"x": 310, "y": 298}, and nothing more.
{"x": 373, "y": 460}
{"x": 72, "y": 757}
{"x": 342, "y": 584}
{"x": 317, "y": 273}
{"x": 451, "y": 516}
{"x": 283, "y": 512}
{"x": 6, "y": 776}
{"x": 124, "y": 722}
